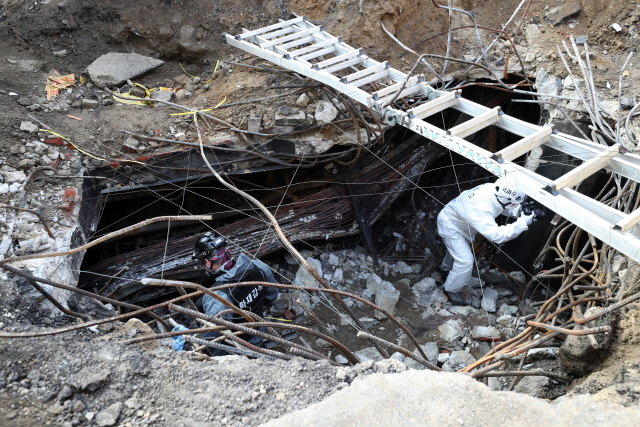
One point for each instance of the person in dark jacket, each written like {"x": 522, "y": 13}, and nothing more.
{"x": 212, "y": 251}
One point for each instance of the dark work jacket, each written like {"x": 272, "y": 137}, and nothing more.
{"x": 250, "y": 298}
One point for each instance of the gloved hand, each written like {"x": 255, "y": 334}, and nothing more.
{"x": 528, "y": 219}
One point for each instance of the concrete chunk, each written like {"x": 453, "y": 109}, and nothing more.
{"x": 291, "y": 119}
{"x": 114, "y": 68}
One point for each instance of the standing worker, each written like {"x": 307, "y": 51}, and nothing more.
{"x": 221, "y": 268}
{"x": 474, "y": 211}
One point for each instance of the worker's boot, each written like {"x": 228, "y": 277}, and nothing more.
{"x": 460, "y": 298}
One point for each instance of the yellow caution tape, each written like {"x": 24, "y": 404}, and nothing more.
{"x": 86, "y": 153}
{"x": 200, "y": 111}
{"x": 214, "y": 72}
{"x": 185, "y": 71}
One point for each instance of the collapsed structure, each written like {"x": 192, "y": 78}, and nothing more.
{"x": 320, "y": 169}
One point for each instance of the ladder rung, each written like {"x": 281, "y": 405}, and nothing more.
{"x": 394, "y": 87}
{"x": 632, "y": 219}
{"x": 290, "y": 37}
{"x": 270, "y": 27}
{"x": 523, "y": 146}
{"x": 372, "y": 78}
{"x": 434, "y": 106}
{"x": 365, "y": 72}
{"x": 343, "y": 65}
{"x": 329, "y": 42}
{"x": 475, "y": 124}
{"x": 584, "y": 171}
{"x": 405, "y": 92}
{"x": 295, "y": 43}
{"x": 337, "y": 59}
{"x": 317, "y": 53}
{"x": 278, "y": 33}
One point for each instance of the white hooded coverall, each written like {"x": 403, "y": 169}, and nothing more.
{"x": 473, "y": 211}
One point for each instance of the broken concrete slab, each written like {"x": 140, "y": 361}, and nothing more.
{"x": 557, "y": 15}
{"x": 293, "y": 118}
{"x": 369, "y": 353}
{"x": 253, "y": 125}
{"x": 489, "y": 300}
{"x": 14, "y": 177}
{"x": 387, "y": 297}
{"x": 88, "y": 379}
{"x": 109, "y": 416}
{"x": 430, "y": 349}
{"x": 116, "y": 68}
{"x": 458, "y": 360}
{"x": 325, "y": 112}
{"x": 28, "y": 127}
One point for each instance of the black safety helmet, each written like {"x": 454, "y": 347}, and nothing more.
{"x": 207, "y": 246}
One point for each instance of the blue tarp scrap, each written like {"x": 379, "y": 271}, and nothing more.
{"x": 178, "y": 342}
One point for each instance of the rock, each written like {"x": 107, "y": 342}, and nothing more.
{"x": 292, "y": 119}
{"x": 285, "y": 110}
{"x": 369, "y": 353}
{"x": 387, "y": 297}
{"x": 182, "y": 80}
{"x": 190, "y": 41}
{"x": 451, "y": 330}
{"x": 24, "y": 101}
{"x": 546, "y": 353}
{"x": 580, "y": 40}
{"x": 430, "y": 349}
{"x": 304, "y": 278}
{"x": 368, "y": 322}
{"x": 302, "y": 101}
{"x": 519, "y": 276}
{"x": 341, "y": 359}
{"x": 577, "y": 356}
{"x": 14, "y": 177}
{"x": 88, "y": 379}
{"x": 458, "y": 360}
{"x": 500, "y": 62}
{"x": 337, "y": 275}
{"x": 423, "y": 291}
{"x": 132, "y": 403}
{"x": 109, "y": 416}
{"x": 322, "y": 343}
{"x": 60, "y": 53}
{"x": 428, "y": 398}
{"x": 65, "y": 393}
{"x": 89, "y": 103}
{"x": 113, "y": 69}
{"x": 533, "y": 35}
{"x": 510, "y": 310}
{"x": 625, "y": 103}
{"x": 131, "y": 143}
{"x": 76, "y": 104}
{"x": 399, "y": 356}
{"x": 253, "y": 125}
{"x": 489, "y": 300}
{"x": 325, "y": 112}
{"x": 28, "y": 127}
{"x": 555, "y": 16}
{"x": 530, "y": 57}
{"x": 534, "y": 386}
{"x": 162, "y": 95}
{"x": 486, "y": 332}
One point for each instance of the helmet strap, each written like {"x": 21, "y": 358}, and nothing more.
{"x": 504, "y": 205}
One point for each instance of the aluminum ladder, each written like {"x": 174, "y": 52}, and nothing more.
{"x": 300, "y": 46}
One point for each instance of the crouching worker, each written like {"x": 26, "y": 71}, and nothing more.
{"x": 474, "y": 211}
{"x": 212, "y": 251}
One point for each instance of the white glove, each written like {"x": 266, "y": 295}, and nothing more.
{"x": 528, "y": 219}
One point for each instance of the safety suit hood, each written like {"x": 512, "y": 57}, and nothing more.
{"x": 474, "y": 211}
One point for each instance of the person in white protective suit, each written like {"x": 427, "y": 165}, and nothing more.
{"x": 474, "y": 211}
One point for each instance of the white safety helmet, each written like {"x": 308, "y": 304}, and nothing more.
{"x": 507, "y": 193}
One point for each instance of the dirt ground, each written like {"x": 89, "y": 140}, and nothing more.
{"x": 154, "y": 386}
